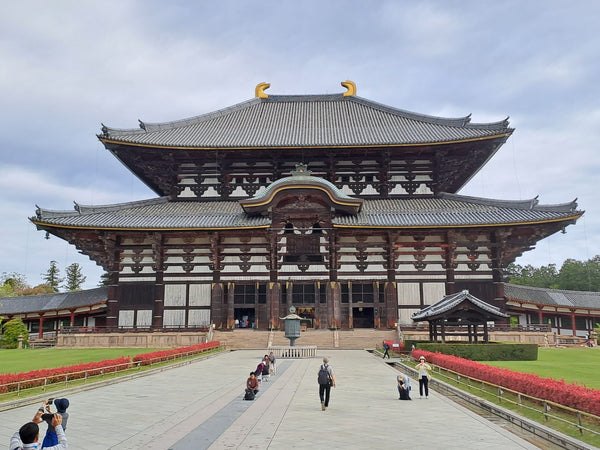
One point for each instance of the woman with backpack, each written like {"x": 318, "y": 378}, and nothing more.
{"x": 326, "y": 379}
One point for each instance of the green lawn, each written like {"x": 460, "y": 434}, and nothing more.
{"x": 575, "y": 365}
{"x": 15, "y": 361}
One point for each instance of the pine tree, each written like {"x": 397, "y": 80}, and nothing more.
{"x": 51, "y": 277}
{"x": 74, "y": 278}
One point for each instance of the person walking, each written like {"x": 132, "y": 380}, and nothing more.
{"x": 386, "y": 347}
{"x": 423, "y": 368}
{"x": 326, "y": 379}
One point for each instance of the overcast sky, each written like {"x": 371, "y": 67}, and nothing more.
{"x": 68, "y": 66}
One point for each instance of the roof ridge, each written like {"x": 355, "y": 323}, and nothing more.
{"x": 530, "y": 204}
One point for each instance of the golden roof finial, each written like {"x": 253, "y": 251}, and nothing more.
{"x": 260, "y": 90}
{"x": 351, "y": 88}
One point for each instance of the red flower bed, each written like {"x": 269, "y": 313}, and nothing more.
{"x": 34, "y": 378}
{"x": 13, "y": 381}
{"x": 164, "y": 355}
{"x": 572, "y": 395}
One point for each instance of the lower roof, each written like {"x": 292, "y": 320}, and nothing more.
{"x": 552, "y": 297}
{"x": 52, "y": 302}
{"x": 445, "y": 210}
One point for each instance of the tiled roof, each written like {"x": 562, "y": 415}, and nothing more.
{"x": 305, "y": 121}
{"x": 453, "y": 300}
{"x": 552, "y": 297}
{"x": 446, "y": 210}
{"x": 52, "y": 302}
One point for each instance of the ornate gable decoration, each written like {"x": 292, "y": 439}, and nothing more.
{"x": 301, "y": 192}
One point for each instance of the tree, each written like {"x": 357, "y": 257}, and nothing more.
{"x": 581, "y": 276}
{"x": 104, "y": 279}
{"x": 545, "y": 276}
{"x": 12, "y": 329}
{"x": 74, "y": 278}
{"x": 573, "y": 275}
{"x": 39, "y": 290}
{"x": 12, "y": 284}
{"x": 51, "y": 277}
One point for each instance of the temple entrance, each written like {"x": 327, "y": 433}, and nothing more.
{"x": 363, "y": 317}
{"x": 244, "y": 317}
{"x": 307, "y": 315}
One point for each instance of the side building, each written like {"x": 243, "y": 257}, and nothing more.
{"x": 343, "y": 207}
{"x": 566, "y": 313}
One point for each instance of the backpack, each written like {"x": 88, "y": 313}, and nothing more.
{"x": 249, "y": 395}
{"x": 324, "y": 377}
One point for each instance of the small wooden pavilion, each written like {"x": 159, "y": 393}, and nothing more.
{"x": 459, "y": 314}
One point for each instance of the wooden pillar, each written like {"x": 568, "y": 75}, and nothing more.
{"x": 114, "y": 293}
{"x": 218, "y": 308}
{"x": 485, "y": 332}
{"x": 443, "y": 330}
{"x": 449, "y": 262}
{"x": 274, "y": 299}
{"x": 334, "y": 292}
{"x": 497, "y": 270}
{"x": 390, "y": 293}
{"x": 41, "y": 325}
{"x": 230, "y": 307}
{"x": 156, "y": 240}
{"x": 72, "y": 318}
{"x": 350, "y": 309}
{"x": 573, "y": 326}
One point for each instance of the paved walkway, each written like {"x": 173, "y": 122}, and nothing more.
{"x": 200, "y": 406}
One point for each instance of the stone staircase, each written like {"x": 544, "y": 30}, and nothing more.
{"x": 359, "y": 338}
{"x": 42, "y": 343}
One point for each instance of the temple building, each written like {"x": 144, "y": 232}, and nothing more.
{"x": 343, "y": 207}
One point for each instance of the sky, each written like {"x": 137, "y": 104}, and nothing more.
{"x": 66, "y": 67}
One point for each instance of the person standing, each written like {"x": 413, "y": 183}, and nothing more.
{"x": 272, "y": 359}
{"x": 423, "y": 368}
{"x": 326, "y": 379}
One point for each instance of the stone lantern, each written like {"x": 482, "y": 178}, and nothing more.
{"x": 292, "y": 326}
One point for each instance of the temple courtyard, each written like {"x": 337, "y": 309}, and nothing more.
{"x": 200, "y": 406}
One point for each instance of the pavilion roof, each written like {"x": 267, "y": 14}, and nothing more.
{"x": 552, "y": 297}
{"x": 446, "y": 210}
{"x": 293, "y": 121}
{"x": 451, "y": 303}
{"x": 52, "y": 302}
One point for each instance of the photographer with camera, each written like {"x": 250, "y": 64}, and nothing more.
{"x": 28, "y": 435}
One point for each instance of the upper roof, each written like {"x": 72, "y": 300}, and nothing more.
{"x": 552, "y": 297}
{"x": 279, "y": 121}
{"x": 447, "y": 210}
{"x": 450, "y": 302}
{"x": 52, "y": 302}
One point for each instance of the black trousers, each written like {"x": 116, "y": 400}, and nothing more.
{"x": 424, "y": 382}
{"x": 324, "y": 391}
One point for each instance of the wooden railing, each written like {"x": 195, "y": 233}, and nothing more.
{"x": 578, "y": 420}
{"x": 36, "y": 386}
{"x": 94, "y": 329}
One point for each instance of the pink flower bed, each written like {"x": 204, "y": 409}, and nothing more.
{"x": 572, "y": 395}
{"x": 35, "y": 378}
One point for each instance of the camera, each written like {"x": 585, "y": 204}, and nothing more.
{"x": 47, "y": 417}
{"x": 49, "y": 401}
